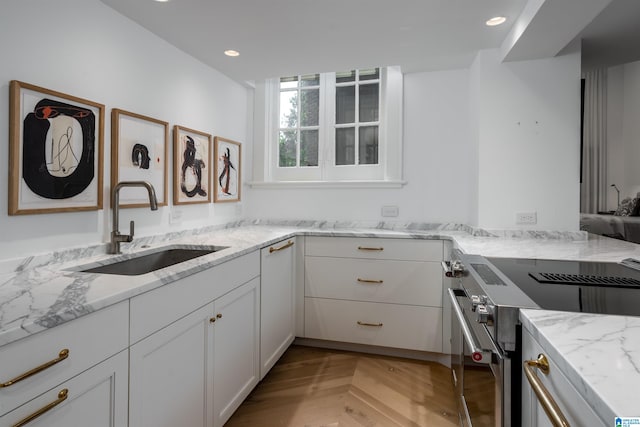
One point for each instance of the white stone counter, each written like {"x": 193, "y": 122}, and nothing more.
{"x": 599, "y": 355}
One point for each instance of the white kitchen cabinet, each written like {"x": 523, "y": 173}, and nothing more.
{"x": 277, "y": 302}
{"x": 236, "y": 358}
{"x": 96, "y": 398}
{"x": 171, "y": 374}
{"x": 199, "y": 369}
{"x": 374, "y": 291}
{"x": 576, "y": 410}
{"x": 62, "y": 352}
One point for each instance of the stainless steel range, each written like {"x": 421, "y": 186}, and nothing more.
{"x": 485, "y": 338}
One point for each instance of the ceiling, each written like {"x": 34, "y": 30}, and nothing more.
{"x": 284, "y": 37}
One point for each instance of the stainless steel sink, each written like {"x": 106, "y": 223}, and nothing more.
{"x": 148, "y": 262}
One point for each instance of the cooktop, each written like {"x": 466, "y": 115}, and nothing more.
{"x": 578, "y": 286}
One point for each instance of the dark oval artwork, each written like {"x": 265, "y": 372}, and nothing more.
{"x": 58, "y": 149}
{"x": 193, "y": 165}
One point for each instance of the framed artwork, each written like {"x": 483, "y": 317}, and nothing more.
{"x": 139, "y": 152}
{"x": 191, "y": 157}
{"x": 55, "y": 151}
{"x": 227, "y": 170}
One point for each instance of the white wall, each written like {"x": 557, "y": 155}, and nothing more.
{"x": 437, "y": 165}
{"x": 528, "y": 140}
{"x": 84, "y": 48}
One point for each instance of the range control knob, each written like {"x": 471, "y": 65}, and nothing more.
{"x": 484, "y": 316}
{"x": 477, "y": 300}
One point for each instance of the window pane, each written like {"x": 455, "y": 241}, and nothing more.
{"x": 309, "y": 107}
{"x": 345, "y": 104}
{"x": 287, "y": 148}
{"x": 346, "y": 76}
{"x": 289, "y": 109}
{"x": 309, "y": 148}
{"x": 371, "y": 74}
{"x": 345, "y": 146}
{"x": 368, "y": 144}
{"x": 310, "y": 80}
{"x": 369, "y": 102}
{"x": 289, "y": 82}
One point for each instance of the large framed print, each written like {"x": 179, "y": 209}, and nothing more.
{"x": 191, "y": 166}
{"x": 227, "y": 155}
{"x": 55, "y": 151}
{"x": 139, "y": 152}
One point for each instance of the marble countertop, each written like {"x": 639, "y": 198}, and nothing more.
{"x": 43, "y": 291}
{"x": 599, "y": 355}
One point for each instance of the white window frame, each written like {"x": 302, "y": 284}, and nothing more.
{"x": 387, "y": 173}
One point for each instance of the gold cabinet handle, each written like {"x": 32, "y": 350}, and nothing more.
{"x": 377, "y": 325}
{"x": 546, "y": 400}
{"x": 369, "y": 281}
{"x": 212, "y": 320}
{"x": 62, "y": 396}
{"x": 285, "y": 246}
{"x": 64, "y": 353}
{"x": 219, "y": 315}
{"x": 366, "y": 248}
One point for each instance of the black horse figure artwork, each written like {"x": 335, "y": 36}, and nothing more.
{"x": 195, "y": 166}
{"x": 58, "y": 155}
{"x": 226, "y": 172}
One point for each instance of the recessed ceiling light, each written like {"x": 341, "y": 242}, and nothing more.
{"x": 231, "y": 52}
{"x": 496, "y": 20}
{"x": 162, "y": 1}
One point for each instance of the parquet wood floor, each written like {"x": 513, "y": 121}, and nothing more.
{"x": 312, "y": 387}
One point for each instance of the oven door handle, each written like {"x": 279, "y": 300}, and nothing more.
{"x": 478, "y": 354}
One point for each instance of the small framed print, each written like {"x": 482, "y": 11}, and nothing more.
{"x": 55, "y": 151}
{"x": 191, "y": 168}
{"x": 227, "y": 170}
{"x": 139, "y": 152}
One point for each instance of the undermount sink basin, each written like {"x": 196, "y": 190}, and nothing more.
{"x": 160, "y": 258}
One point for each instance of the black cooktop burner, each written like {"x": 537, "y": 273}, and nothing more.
{"x": 585, "y": 280}
{"x": 616, "y": 291}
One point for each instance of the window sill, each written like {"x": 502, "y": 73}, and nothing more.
{"x": 326, "y": 184}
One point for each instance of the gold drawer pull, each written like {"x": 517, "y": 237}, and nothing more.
{"x": 369, "y": 281}
{"x": 285, "y": 246}
{"x": 377, "y": 325}
{"x": 62, "y": 396}
{"x": 366, "y": 248}
{"x": 64, "y": 353}
{"x": 547, "y": 401}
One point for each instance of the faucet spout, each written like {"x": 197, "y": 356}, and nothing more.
{"x": 116, "y": 237}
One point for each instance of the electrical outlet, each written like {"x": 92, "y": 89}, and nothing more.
{"x": 390, "y": 211}
{"x": 527, "y": 218}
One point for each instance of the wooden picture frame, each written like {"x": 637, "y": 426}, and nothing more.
{"x": 139, "y": 152}
{"x": 227, "y": 170}
{"x": 191, "y": 165}
{"x": 55, "y": 151}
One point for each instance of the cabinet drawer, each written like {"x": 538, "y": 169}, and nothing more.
{"x": 400, "y": 282}
{"x": 402, "y": 326}
{"x": 96, "y": 398}
{"x": 89, "y": 339}
{"x": 375, "y": 248}
{"x": 156, "y": 309}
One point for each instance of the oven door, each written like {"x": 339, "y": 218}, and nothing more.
{"x": 478, "y": 367}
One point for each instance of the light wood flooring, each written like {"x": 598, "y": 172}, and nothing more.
{"x": 312, "y": 387}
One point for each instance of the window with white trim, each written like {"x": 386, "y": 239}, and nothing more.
{"x": 330, "y": 127}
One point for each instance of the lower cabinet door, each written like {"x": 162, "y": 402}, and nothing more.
{"x": 237, "y": 349}
{"x": 171, "y": 374}
{"x": 96, "y": 398}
